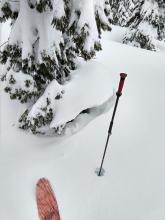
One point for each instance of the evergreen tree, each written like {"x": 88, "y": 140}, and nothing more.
{"x": 47, "y": 37}
{"x": 147, "y": 25}
{"x": 122, "y": 11}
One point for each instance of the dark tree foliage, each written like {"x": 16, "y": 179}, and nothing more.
{"x": 47, "y": 37}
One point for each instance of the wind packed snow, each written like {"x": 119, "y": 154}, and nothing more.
{"x": 133, "y": 186}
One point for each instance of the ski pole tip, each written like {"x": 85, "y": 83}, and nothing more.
{"x": 123, "y": 75}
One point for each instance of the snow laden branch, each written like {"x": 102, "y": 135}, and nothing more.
{"x": 9, "y": 9}
{"x": 147, "y": 25}
{"x": 145, "y": 20}
{"x": 46, "y": 40}
{"x": 122, "y": 11}
{"x": 62, "y": 107}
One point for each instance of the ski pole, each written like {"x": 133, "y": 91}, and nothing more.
{"x": 118, "y": 94}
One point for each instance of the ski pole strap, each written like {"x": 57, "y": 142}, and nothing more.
{"x": 121, "y": 83}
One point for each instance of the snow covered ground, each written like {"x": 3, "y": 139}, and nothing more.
{"x": 133, "y": 187}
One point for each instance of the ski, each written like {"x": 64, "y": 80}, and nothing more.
{"x": 46, "y": 201}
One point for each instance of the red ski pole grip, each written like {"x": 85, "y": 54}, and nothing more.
{"x": 121, "y": 83}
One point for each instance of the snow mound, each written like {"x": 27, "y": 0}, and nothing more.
{"x": 91, "y": 87}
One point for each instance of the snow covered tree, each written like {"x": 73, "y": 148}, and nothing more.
{"x": 147, "y": 25}
{"x": 46, "y": 39}
{"x": 122, "y": 11}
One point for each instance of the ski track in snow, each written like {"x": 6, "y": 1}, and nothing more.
{"x": 133, "y": 187}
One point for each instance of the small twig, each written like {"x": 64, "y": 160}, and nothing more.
{"x": 4, "y": 43}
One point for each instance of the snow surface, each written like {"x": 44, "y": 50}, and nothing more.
{"x": 133, "y": 187}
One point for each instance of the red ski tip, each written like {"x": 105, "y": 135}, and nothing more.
{"x": 46, "y": 201}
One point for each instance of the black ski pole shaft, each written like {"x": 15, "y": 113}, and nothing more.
{"x": 118, "y": 94}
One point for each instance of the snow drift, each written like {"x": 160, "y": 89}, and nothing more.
{"x": 89, "y": 94}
